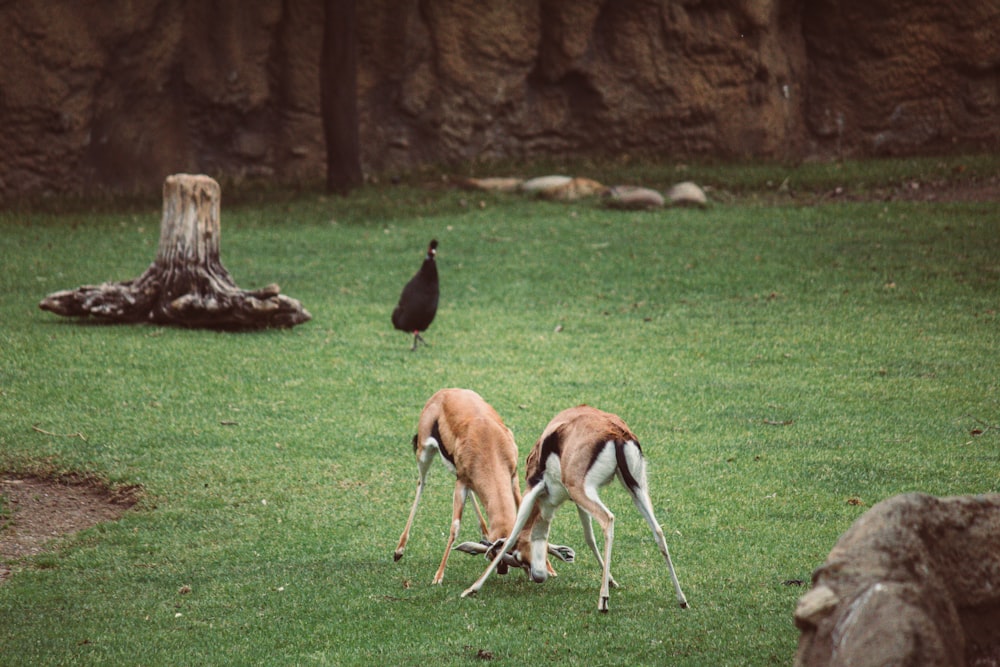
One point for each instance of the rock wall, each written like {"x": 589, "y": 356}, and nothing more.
{"x": 117, "y": 94}
{"x": 890, "y": 77}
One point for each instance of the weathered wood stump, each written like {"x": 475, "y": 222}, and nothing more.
{"x": 187, "y": 284}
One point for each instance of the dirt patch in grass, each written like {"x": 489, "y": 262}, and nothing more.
{"x": 35, "y": 510}
{"x": 985, "y": 189}
{"x": 980, "y": 190}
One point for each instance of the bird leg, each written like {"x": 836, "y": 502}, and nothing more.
{"x": 417, "y": 338}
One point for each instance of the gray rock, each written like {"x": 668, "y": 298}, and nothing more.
{"x": 634, "y": 197}
{"x": 915, "y": 581}
{"x": 687, "y": 194}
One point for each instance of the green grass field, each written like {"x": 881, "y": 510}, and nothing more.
{"x": 785, "y": 367}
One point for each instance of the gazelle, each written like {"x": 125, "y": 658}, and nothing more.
{"x": 479, "y": 449}
{"x": 581, "y": 450}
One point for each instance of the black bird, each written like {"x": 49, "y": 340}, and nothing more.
{"x": 419, "y": 301}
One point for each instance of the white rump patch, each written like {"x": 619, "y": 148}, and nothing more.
{"x": 553, "y": 481}
{"x": 433, "y": 445}
{"x": 633, "y": 457}
{"x": 602, "y": 471}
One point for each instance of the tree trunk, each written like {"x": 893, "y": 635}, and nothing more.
{"x": 338, "y": 73}
{"x": 187, "y": 284}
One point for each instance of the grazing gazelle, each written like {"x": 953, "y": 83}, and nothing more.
{"x": 581, "y": 450}
{"x": 479, "y": 449}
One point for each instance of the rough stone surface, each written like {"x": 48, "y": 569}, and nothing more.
{"x": 915, "y": 581}
{"x": 116, "y": 96}
{"x": 887, "y": 77}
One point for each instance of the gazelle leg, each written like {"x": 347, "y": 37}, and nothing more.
{"x": 590, "y": 503}
{"x": 539, "y": 538}
{"x": 588, "y": 535}
{"x": 527, "y": 503}
{"x": 424, "y": 460}
{"x": 458, "y": 503}
{"x": 609, "y": 538}
{"x": 483, "y": 528}
{"x": 642, "y": 502}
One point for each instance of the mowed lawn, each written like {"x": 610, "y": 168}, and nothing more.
{"x": 784, "y": 366}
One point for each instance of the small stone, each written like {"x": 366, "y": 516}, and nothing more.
{"x": 634, "y": 197}
{"x": 575, "y": 188}
{"x": 542, "y": 183}
{"x": 687, "y": 194}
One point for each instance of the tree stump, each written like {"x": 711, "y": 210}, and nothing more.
{"x": 187, "y": 284}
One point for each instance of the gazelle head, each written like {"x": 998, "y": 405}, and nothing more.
{"x": 522, "y": 557}
{"x": 490, "y": 550}
{"x": 526, "y": 555}
{"x": 529, "y": 554}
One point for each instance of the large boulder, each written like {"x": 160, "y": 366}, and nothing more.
{"x": 914, "y": 582}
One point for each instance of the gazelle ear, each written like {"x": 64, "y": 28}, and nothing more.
{"x": 509, "y": 560}
{"x": 512, "y": 560}
{"x": 563, "y": 553}
{"x": 473, "y": 548}
{"x": 493, "y": 549}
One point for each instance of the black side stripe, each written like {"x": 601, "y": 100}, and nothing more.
{"x": 626, "y": 473}
{"x": 551, "y": 445}
{"x": 436, "y": 434}
{"x": 595, "y": 451}
{"x": 414, "y": 443}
